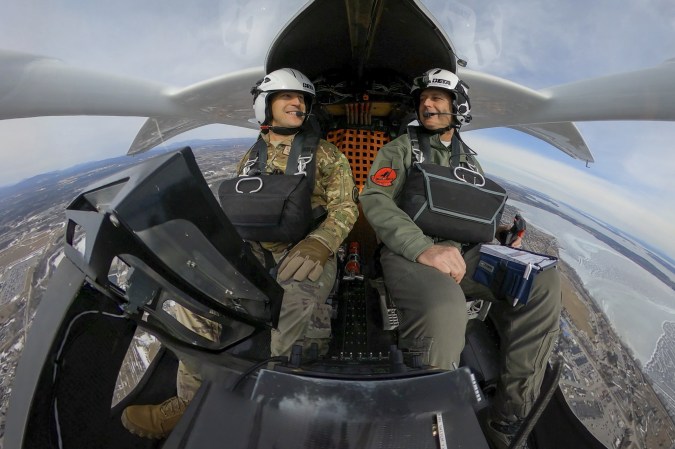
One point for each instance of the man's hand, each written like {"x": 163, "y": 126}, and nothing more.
{"x": 517, "y": 243}
{"x": 502, "y": 234}
{"x": 512, "y": 236}
{"x": 305, "y": 261}
{"x": 446, "y": 259}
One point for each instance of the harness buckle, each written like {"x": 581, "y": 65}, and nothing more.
{"x": 302, "y": 164}
{"x": 252, "y": 178}
{"x": 478, "y": 178}
{"x": 247, "y": 166}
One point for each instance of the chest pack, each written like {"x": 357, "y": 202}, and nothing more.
{"x": 454, "y": 203}
{"x": 273, "y": 207}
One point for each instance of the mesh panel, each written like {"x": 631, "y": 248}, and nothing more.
{"x": 360, "y": 147}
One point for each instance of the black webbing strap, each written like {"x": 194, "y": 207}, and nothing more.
{"x": 421, "y": 141}
{"x": 270, "y": 263}
{"x": 456, "y": 151}
{"x": 259, "y": 150}
{"x": 304, "y": 145}
{"x": 464, "y": 153}
{"x": 296, "y": 151}
{"x": 268, "y": 258}
{"x": 414, "y": 142}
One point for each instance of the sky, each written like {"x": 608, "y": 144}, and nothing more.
{"x": 532, "y": 42}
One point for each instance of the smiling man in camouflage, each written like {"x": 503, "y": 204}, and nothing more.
{"x": 306, "y": 269}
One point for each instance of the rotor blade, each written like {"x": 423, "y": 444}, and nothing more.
{"x": 33, "y": 86}
{"x": 564, "y": 136}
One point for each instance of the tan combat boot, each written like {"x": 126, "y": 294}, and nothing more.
{"x": 154, "y": 421}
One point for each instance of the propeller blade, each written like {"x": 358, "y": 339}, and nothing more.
{"x": 33, "y": 86}
{"x": 564, "y": 136}
{"x": 647, "y": 94}
{"x": 157, "y": 130}
{"x": 225, "y": 99}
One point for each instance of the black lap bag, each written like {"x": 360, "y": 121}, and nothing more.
{"x": 454, "y": 204}
{"x": 268, "y": 208}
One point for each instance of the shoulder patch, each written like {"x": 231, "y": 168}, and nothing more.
{"x": 384, "y": 177}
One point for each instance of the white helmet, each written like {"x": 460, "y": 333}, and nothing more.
{"x": 277, "y": 81}
{"x": 446, "y": 80}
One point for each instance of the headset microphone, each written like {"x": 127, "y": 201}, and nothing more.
{"x": 428, "y": 114}
{"x": 301, "y": 114}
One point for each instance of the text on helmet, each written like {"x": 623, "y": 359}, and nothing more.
{"x": 441, "y": 81}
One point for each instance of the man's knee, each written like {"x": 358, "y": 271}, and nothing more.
{"x": 442, "y": 308}
{"x": 197, "y": 323}
{"x": 546, "y": 292}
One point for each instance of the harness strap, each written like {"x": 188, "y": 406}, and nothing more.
{"x": 259, "y": 152}
{"x": 294, "y": 156}
{"x": 268, "y": 258}
{"x": 301, "y": 159}
{"x": 456, "y": 152}
{"x": 421, "y": 148}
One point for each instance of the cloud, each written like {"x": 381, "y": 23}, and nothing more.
{"x": 249, "y": 27}
{"x": 168, "y": 41}
{"x": 541, "y": 44}
{"x": 639, "y": 155}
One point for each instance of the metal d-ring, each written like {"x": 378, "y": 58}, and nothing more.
{"x": 252, "y": 178}
{"x": 475, "y": 173}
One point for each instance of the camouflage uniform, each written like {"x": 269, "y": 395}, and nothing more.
{"x": 187, "y": 378}
{"x": 433, "y": 305}
{"x": 305, "y": 316}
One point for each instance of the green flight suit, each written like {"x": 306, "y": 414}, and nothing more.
{"x": 305, "y": 316}
{"x": 433, "y": 305}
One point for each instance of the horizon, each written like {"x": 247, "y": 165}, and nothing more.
{"x": 600, "y": 225}
{"x": 140, "y": 156}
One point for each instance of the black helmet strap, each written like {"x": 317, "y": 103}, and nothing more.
{"x": 281, "y": 130}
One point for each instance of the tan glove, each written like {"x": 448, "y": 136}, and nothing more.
{"x": 305, "y": 261}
